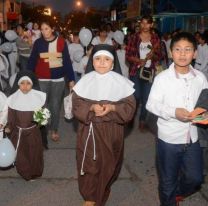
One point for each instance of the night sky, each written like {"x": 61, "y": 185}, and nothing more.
{"x": 67, "y": 5}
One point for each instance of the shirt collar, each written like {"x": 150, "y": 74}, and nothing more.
{"x": 175, "y": 73}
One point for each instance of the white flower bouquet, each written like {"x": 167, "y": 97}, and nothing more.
{"x": 41, "y": 116}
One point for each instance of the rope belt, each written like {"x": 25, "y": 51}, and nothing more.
{"x": 20, "y": 132}
{"x": 85, "y": 149}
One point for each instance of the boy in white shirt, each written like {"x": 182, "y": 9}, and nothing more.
{"x": 173, "y": 96}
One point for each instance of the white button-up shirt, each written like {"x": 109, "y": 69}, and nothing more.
{"x": 169, "y": 91}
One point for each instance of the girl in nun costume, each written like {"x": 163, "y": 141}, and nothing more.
{"x": 24, "y": 133}
{"x": 103, "y": 102}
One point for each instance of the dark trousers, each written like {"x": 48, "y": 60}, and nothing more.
{"x": 142, "y": 89}
{"x": 23, "y": 62}
{"x": 180, "y": 170}
{"x": 55, "y": 92}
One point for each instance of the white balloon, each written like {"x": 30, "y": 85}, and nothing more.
{"x": 11, "y": 35}
{"x": 118, "y": 36}
{"x": 85, "y": 36}
{"x": 6, "y": 47}
{"x": 7, "y": 153}
{"x": 77, "y": 56}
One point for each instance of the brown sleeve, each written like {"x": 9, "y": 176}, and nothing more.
{"x": 125, "y": 110}
{"x": 11, "y": 119}
{"x": 81, "y": 109}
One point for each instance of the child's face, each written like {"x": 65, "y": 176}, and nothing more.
{"x": 25, "y": 86}
{"x": 102, "y": 64}
{"x": 46, "y": 31}
{"x": 183, "y": 53}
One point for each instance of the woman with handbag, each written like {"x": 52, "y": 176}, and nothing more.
{"x": 143, "y": 54}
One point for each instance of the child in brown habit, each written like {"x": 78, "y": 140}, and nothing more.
{"x": 103, "y": 102}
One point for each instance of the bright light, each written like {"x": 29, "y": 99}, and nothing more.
{"x": 78, "y": 3}
{"x": 47, "y": 11}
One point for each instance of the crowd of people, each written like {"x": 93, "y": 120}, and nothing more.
{"x": 114, "y": 79}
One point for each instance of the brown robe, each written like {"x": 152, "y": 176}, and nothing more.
{"x": 29, "y": 160}
{"x": 100, "y": 174}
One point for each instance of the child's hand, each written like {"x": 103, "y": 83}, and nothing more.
{"x": 7, "y": 130}
{"x": 183, "y": 115}
{"x": 106, "y": 109}
{"x": 98, "y": 109}
{"x": 1, "y": 126}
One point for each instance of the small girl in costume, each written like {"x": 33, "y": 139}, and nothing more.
{"x": 24, "y": 133}
{"x": 103, "y": 102}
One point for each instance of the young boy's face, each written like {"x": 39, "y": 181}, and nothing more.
{"x": 25, "y": 86}
{"x": 102, "y": 64}
{"x": 182, "y": 53}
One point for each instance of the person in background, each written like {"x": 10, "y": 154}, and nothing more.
{"x": 121, "y": 52}
{"x": 109, "y": 29}
{"x": 143, "y": 50}
{"x": 197, "y": 35}
{"x": 85, "y": 59}
{"x": 75, "y": 49}
{"x": 24, "y": 46}
{"x": 201, "y": 61}
{"x": 173, "y": 97}
{"x": 50, "y": 61}
{"x": 102, "y": 38}
{"x": 36, "y": 33}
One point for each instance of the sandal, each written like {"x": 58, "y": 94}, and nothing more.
{"x": 55, "y": 136}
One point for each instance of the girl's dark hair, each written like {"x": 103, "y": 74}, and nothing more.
{"x": 183, "y": 36}
{"x": 103, "y": 28}
{"x": 47, "y": 23}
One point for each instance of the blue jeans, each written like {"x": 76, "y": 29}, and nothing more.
{"x": 142, "y": 90}
{"x": 180, "y": 170}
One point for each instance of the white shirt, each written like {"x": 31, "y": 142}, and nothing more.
{"x": 121, "y": 53}
{"x": 144, "y": 49}
{"x": 170, "y": 91}
{"x": 96, "y": 41}
{"x": 202, "y": 58}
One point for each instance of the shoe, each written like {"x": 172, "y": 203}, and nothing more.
{"x": 179, "y": 199}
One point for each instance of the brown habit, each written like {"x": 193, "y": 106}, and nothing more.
{"x": 29, "y": 161}
{"x": 99, "y": 175}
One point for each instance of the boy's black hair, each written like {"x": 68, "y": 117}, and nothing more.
{"x": 148, "y": 18}
{"x": 183, "y": 36}
{"x": 203, "y": 36}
